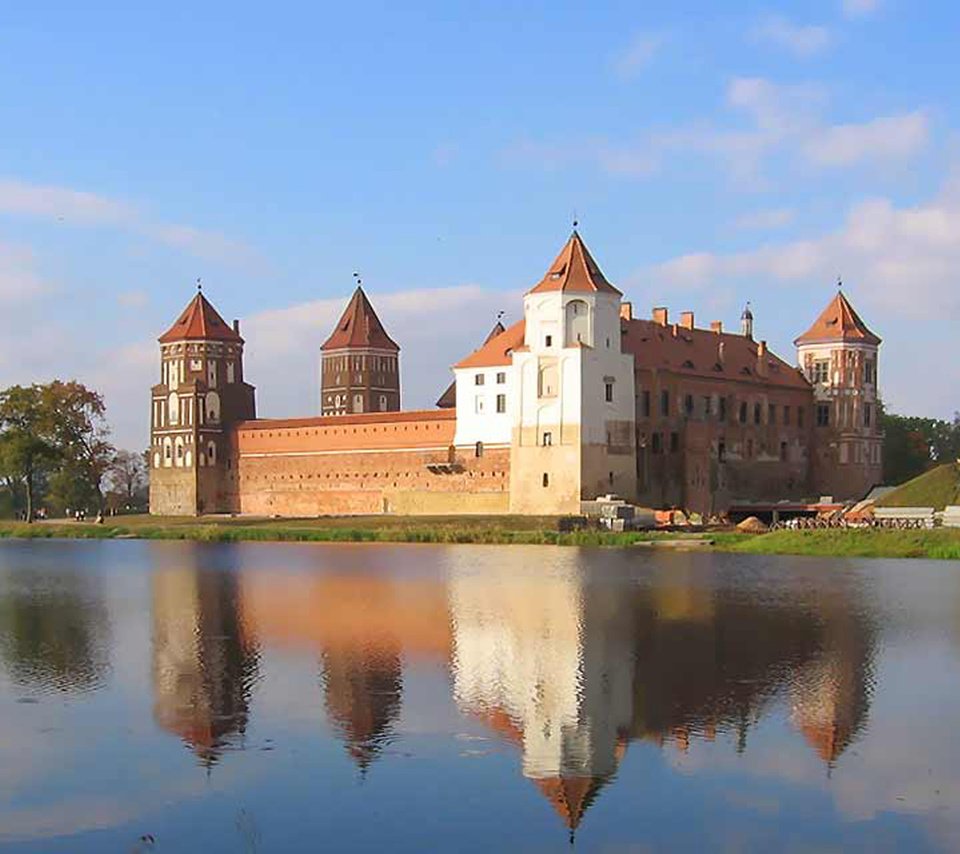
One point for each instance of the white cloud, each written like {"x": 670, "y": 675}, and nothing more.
{"x": 133, "y": 299}
{"x": 638, "y": 55}
{"x": 802, "y": 40}
{"x": 765, "y": 219}
{"x": 70, "y": 207}
{"x": 19, "y": 279}
{"x": 885, "y": 138}
{"x": 859, "y": 8}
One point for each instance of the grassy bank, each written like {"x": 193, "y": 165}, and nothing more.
{"x": 496, "y": 530}
{"x": 943, "y": 543}
{"x": 505, "y": 530}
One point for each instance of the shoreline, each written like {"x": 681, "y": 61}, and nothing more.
{"x": 939, "y": 544}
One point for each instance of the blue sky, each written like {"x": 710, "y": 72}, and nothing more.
{"x": 713, "y": 153}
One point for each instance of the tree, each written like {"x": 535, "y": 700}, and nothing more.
{"x": 128, "y": 477}
{"x": 27, "y": 448}
{"x": 79, "y": 432}
{"x": 913, "y": 445}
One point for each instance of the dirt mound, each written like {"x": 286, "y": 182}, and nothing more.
{"x": 752, "y": 525}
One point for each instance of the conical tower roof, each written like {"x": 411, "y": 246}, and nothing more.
{"x": 574, "y": 270}
{"x": 199, "y": 321}
{"x": 838, "y": 322}
{"x": 359, "y": 326}
{"x": 448, "y": 399}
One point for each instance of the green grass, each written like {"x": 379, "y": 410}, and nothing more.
{"x": 936, "y": 488}
{"x": 507, "y": 530}
{"x": 498, "y": 530}
{"x": 942, "y": 543}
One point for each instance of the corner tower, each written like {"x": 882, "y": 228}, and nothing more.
{"x": 838, "y": 355}
{"x": 359, "y": 363}
{"x": 575, "y": 422}
{"x": 201, "y": 394}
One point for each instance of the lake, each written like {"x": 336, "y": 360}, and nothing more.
{"x": 180, "y": 697}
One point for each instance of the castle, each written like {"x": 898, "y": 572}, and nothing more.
{"x": 577, "y": 400}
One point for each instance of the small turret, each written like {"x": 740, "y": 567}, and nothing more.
{"x": 746, "y": 322}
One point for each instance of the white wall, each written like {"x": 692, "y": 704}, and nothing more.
{"x": 489, "y": 426}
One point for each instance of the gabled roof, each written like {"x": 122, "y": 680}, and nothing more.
{"x": 199, "y": 321}
{"x": 704, "y": 353}
{"x": 496, "y": 350}
{"x": 574, "y": 270}
{"x": 838, "y": 322}
{"x": 359, "y": 326}
{"x": 449, "y": 398}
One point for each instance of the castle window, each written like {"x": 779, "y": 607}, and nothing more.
{"x": 501, "y": 403}
{"x": 801, "y": 415}
{"x": 674, "y": 443}
{"x": 548, "y": 378}
{"x": 823, "y": 415}
{"x": 722, "y": 450}
{"x": 173, "y": 409}
{"x": 478, "y": 450}
{"x": 608, "y": 392}
{"x": 722, "y": 408}
{"x": 867, "y": 414}
{"x": 656, "y": 443}
{"x": 821, "y": 371}
{"x": 645, "y": 404}
{"x": 869, "y": 372}
{"x": 212, "y": 453}
{"x": 771, "y": 414}
{"x": 757, "y": 413}
{"x": 688, "y": 405}
{"x": 478, "y": 404}
{"x": 749, "y": 449}
{"x": 546, "y": 480}
{"x": 786, "y": 414}
{"x": 479, "y": 379}
{"x": 783, "y": 452}
{"x": 501, "y": 377}
{"x": 547, "y": 438}
{"x": 358, "y": 403}
{"x": 548, "y": 341}
{"x": 383, "y": 403}
{"x": 665, "y": 403}
{"x": 231, "y": 372}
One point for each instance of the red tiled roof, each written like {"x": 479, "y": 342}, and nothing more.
{"x": 359, "y": 326}
{"x": 696, "y": 352}
{"x": 449, "y": 398}
{"x": 838, "y": 322}
{"x": 570, "y": 796}
{"x": 200, "y": 321}
{"x": 574, "y": 270}
{"x": 346, "y": 420}
{"x": 496, "y": 351}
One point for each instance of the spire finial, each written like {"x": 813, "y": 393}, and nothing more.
{"x": 839, "y": 282}
{"x": 199, "y": 285}
{"x": 357, "y": 279}
{"x": 500, "y": 315}
{"x": 576, "y": 221}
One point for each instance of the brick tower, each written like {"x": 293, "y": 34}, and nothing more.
{"x": 359, "y": 363}
{"x": 838, "y": 355}
{"x": 201, "y": 394}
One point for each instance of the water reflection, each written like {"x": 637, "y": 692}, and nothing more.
{"x": 204, "y": 659}
{"x": 54, "y": 629}
{"x": 570, "y": 666}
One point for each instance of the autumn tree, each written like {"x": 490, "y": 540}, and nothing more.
{"x": 27, "y": 446}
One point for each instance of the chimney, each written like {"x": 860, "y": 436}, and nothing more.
{"x": 236, "y": 326}
{"x": 716, "y": 326}
{"x": 686, "y": 319}
{"x": 762, "y": 359}
{"x": 626, "y": 311}
{"x": 661, "y": 316}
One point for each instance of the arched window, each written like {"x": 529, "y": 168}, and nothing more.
{"x": 211, "y": 453}
{"x": 173, "y": 407}
{"x": 577, "y": 326}
{"x": 213, "y": 406}
{"x": 478, "y": 450}
{"x": 383, "y": 403}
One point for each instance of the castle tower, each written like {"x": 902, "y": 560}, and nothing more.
{"x": 746, "y": 322}
{"x": 574, "y": 434}
{"x": 201, "y": 394}
{"x": 838, "y": 355}
{"x": 359, "y": 363}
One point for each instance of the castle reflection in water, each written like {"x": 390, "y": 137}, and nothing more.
{"x": 568, "y": 670}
